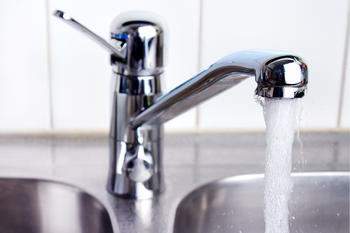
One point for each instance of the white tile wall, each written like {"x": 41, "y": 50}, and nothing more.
{"x": 345, "y": 117}
{"x": 80, "y": 73}
{"x": 345, "y": 114}
{"x": 24, "y": 96}
{"x": 314, "y": 29}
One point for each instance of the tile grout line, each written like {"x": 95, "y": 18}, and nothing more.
{"x": 48, "y": 58}
{"x": 345, "y": 61}
{"x": 199, "y": 55}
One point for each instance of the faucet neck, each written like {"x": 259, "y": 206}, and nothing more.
{"x": 130, "y": 95}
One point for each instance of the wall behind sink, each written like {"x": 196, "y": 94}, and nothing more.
{"x": 52, "y": 78}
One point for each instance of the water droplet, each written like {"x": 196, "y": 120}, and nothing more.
{"x": 315, "y": 225}
{"x": 315, "y": 182}
{"x": 223, "y": 214}
{"x": 231, "y": 226}
{"x": 323, "y": 186}
{"x": 218, "y": 226}
{"x": 251, "y": 220}
{"x": 293, "y": 216}
{"x": 338, "y": 214}
{"x": 239, "y": 231}
{"x": 317, "y": 210}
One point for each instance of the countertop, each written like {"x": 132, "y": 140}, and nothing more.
{"x": 190, "y": 161}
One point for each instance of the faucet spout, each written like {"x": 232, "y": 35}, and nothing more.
{"x": 278, "y": 75}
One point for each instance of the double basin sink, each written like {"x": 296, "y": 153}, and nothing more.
{"x": 57, "y": 184}
{"x": 319, "y": 203}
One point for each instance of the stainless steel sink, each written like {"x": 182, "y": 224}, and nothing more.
{"x": 40, "y": 206}
{"x": 319, "y": 203}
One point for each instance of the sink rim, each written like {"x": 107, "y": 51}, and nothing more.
{"x": 243, "y": 177}
{"x": 63, "y": 182}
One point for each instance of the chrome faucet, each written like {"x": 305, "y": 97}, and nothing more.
{"x": 137, "y": 49}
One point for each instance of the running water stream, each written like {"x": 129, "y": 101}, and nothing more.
{"x": 280, "y": 120}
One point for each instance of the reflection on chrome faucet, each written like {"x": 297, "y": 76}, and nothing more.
{"x": 139, "y": 107}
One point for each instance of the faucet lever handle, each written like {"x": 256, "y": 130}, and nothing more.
{"x": 120, "y": 53}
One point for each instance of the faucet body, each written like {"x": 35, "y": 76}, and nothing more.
{"x": 135, "y": 154}
{"x": 139, "y": 107}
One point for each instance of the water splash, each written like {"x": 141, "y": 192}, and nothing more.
{"x": 298, "y": 120}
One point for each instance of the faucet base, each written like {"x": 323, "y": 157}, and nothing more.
{"x": 121, "y": 183}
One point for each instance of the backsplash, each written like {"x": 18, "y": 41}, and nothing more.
{"x": 53, "y": 78}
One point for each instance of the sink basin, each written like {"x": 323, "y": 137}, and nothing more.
{"x": 31, "y": 205}
{"x": 319, "y": 203}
